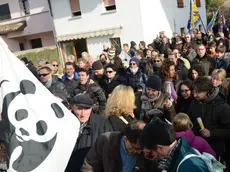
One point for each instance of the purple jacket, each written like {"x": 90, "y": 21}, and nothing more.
{"x": 196, "y": 142}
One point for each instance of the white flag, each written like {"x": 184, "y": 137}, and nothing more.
{"x": 40, "y": 133}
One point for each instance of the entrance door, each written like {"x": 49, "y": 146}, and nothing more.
{"x": 80, "y": 46}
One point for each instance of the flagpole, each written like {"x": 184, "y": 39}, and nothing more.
{"x": 203, "y": 25}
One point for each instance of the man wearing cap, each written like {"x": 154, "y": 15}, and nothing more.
{"x": 134, "y": 76}
{"x": 92, "y": 126}
{"x": 52, "y": 83}
{"x": 152, "y": 101}
{"x": 159, "y": 141}
{"x": 98, "y": 73}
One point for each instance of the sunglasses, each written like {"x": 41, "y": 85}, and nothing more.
{"x": 157, "y": 61}
{"x": 109, "y": 71}
{"x": 43, "y": 75}
{"x": 132, "y": 64}
{"x": 55, "y": 65}
{"x": 185, "y": 91}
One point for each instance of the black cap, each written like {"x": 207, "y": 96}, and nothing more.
{"x": 154, "y": 82}
{"x": 83, "y": 100}
{"x": 97, "y": 65}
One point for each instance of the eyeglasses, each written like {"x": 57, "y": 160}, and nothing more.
{"x": 132, "y": 64}
{"x": 185, "y": 91}
{"x": 109, "y": 71}
{"x": 55, "y": 65}
{"x": 157, "y": 61}
{"x": 43, "y": 74}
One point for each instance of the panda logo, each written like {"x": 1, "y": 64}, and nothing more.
{"x": 31, "y": 137}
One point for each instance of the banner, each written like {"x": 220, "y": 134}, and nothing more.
{"x": 39, "y": 132}
{"x": 212, "y": 22}
{"x": 194, "y": 16}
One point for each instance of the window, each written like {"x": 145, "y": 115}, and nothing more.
{"x": 110, "y": 5}
{"x": 5, "y": 12}
{"x": 198, "y": 3}
{"x": 180, "y": 3}
{"x": 21, "y": 45}
{"x": 36, "y": 43}
{"x": 182, "y": 31}
{"x": 24, "y": 5}
{"x": 75, "y": 7}
{"x": 115, "y": 42}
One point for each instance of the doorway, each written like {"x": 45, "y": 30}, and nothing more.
{"x": 80, "y": 46}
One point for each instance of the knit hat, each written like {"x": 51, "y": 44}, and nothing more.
{"x": 156, "y": 133}
{"x": 111, "y": 52}
{"x": 154, "y": 82}
{"x": 97, "y": 65}
{"x": 136, "y": 60}
{"x": 83, "y": 100}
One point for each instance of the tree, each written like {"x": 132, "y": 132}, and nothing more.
{"x": 212, "y": 6}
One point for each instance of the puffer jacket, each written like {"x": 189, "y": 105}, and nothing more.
{"x": 215, "y": 114}
{"x": 96, "y": 93}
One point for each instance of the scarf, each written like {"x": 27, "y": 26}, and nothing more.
{"x": 48, "y": 83}
{"x": 148, "y": 103}
{"x": 165, "y": 163}
{"x": 134, "y": 70}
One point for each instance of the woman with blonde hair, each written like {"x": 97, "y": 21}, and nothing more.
{"x": 219, "y": 79}
{"x": 120, "y": 106}
{"x": 183, "y": 127}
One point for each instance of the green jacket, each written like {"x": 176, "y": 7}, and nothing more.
{"x": 193, "y": 164}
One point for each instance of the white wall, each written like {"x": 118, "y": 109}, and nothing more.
{"x": 94, "y": 18}
{"x": 95, "y": 45}
{"x": 163, "y": 15}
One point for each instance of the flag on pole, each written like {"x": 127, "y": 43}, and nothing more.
{"x": 194, "y": 17}
{"x": 39, "y": 132}
{"x": 212, "y": 22}
{"x": 222, "y": 22}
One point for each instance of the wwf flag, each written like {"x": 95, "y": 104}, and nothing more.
{"x": 39, "y": 132}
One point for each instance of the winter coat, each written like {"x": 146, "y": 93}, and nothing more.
{"x": 117, "y": 123}
{"x": 206, "y": 61}
{"x": 196, "y": 142}
{"x": 96, "y": 93}
{"x": 222, "y": 62}
{"x": 105, "y": 156}
{"x": 181, "y": 70}
{"x": 70, "y": 84}
{"x": 135, "y": 80}
{"x": 32, "y": 69}
{"x": 182, "y": 105}
{"x": 194, "y": 164}
{"x": 108, "y": 87}
{"x": 215, "y": 114}
{"x": 96, "y": 126}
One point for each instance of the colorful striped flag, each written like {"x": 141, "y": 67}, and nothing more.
{"x": 194, "y": 17}
{"x": 212, "y": 22}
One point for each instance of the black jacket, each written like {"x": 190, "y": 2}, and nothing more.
{"x": 32, "y": 69}
{"x": 71, "y": 85}
{"x": 182, "y": 105}
{"x": 108, "y": 87}
{"x": 96, "y": 126}
{"x": 96, "y": 93}
{"x": 117, "y": 123}
{"x": 215, "y": 114}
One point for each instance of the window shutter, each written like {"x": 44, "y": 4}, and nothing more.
{"x": 198, "y": 4}
{"x": 75, "y": 6}
{"x": 180, "y": 3}
{"x": 109, "y": 3}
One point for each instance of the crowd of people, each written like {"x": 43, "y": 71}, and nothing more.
{"x": 139, "y": 106}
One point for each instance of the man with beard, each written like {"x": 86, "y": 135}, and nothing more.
{"x": 152, "y": 101}
{"x": 210, "y": 105}
{"x": 159, "y": 141}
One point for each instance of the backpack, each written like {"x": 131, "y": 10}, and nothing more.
{"x": 211, "y": 162}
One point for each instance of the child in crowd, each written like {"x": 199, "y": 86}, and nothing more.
{"x": 182, "y": 125}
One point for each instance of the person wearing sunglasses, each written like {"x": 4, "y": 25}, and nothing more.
{"x": 52, "y": 83}
{"x": 157, "y": 63}
{"x": 115, "y": 151}
{"x": 185, "y": 96}
{"x": 112, "y": 79}
{"x": 134, "y": 76}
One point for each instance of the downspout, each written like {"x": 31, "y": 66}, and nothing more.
{"x": 55, "y": 34}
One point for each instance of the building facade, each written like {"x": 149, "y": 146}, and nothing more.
{"x": 85, "y": 25}
{"x": 26, "y": 24}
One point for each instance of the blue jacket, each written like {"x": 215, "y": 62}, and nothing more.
{"x": 65, "y": 77}
{"x": 193, "y": 164}
{"x": 221, "y": 62}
